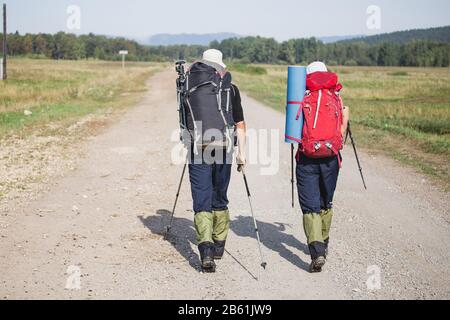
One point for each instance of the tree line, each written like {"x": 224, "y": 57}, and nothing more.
{"x": 417, "y": 53}
{"x": 440, "y": 34}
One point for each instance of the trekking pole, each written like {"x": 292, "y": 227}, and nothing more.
{"x": 263, "y": 263}
{"x": 169, "y": 227}
{"x": 350, "y": 134}
{"x": 292, "y": 173}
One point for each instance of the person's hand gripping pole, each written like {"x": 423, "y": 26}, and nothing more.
{"x": 241, "y": 158}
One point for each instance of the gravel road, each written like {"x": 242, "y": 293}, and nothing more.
{"x": 96, "y": 234}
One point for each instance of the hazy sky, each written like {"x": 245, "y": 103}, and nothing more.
{"x": 281, "y": 19}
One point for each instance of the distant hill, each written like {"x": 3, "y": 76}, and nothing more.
{"x": 334, "y": 39}
{"x": 441, "y": 34}
{"x": 188, "y": 39}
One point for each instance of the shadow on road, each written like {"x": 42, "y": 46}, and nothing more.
{"x": 273, "y": 237}
{"x": 181, "y": 236}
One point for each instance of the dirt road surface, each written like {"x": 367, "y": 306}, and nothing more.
{"x": 97, "y": 234}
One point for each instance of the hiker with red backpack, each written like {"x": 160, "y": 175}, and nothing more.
{"x": 318, "y": 158}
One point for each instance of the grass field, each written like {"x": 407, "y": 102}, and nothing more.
{"x": 404, "y": 112}
{"x": 64, "y": 91}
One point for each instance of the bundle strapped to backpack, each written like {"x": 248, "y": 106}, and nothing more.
{"x": 322, "y": 111}
{"x": 208, "y": 108}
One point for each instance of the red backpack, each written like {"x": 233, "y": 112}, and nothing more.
{"x": 322, "y": 111}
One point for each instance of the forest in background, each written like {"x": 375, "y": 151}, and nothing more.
{"x": 414, "y": 48}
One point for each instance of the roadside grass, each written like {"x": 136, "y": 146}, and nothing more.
{"x": 398, "y": 73}
{"x": 64, "y": 91}
{"x": 402, "y": 112}
{"x": 248, "y": 69}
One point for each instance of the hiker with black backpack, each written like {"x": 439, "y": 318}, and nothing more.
{"x": 214, "y": 125}
{"x": 318, "y": 158}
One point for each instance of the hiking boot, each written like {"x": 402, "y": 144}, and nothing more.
{"x": 208, "y": 265}
{"x": 317, "y": 265}
{"x": 206, "y": 250}
{"x": 219, "y": 249}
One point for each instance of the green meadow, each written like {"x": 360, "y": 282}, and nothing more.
{"x": 64, "y": 91}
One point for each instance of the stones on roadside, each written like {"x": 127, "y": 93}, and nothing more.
{"x": 75, "y": 209}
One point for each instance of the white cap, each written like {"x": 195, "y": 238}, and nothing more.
{"x": 215, "y": 56}
{"x": 316, "y": 67}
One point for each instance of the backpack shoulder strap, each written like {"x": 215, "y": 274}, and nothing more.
{"x": 233, "y": 88}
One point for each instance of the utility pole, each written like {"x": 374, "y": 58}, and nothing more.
{"x": 5, "y": 43}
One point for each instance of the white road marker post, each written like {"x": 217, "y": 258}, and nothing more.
{"x": 123, "y": 53}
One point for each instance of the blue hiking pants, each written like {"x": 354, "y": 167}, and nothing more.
{"x": 316, "y": 183}
{"x": 209, "y": 183}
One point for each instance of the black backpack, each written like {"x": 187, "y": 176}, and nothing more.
{"x": 208, "y": 108}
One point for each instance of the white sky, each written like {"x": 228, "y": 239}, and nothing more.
{"x": 282, "y": 19}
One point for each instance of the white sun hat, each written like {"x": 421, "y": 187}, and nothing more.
{"x": 214, "y": 56}
{"x": 317, "y": 66}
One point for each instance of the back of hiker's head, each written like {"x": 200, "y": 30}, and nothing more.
{"x": 214, "y": 56}
{"x": 317, "y": 66}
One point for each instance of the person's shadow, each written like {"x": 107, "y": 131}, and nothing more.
{"x": 181, "y": 236}
{"x": 273, "y": 237}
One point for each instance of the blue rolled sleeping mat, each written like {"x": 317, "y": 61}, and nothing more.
{"x": 296, "y": 88}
